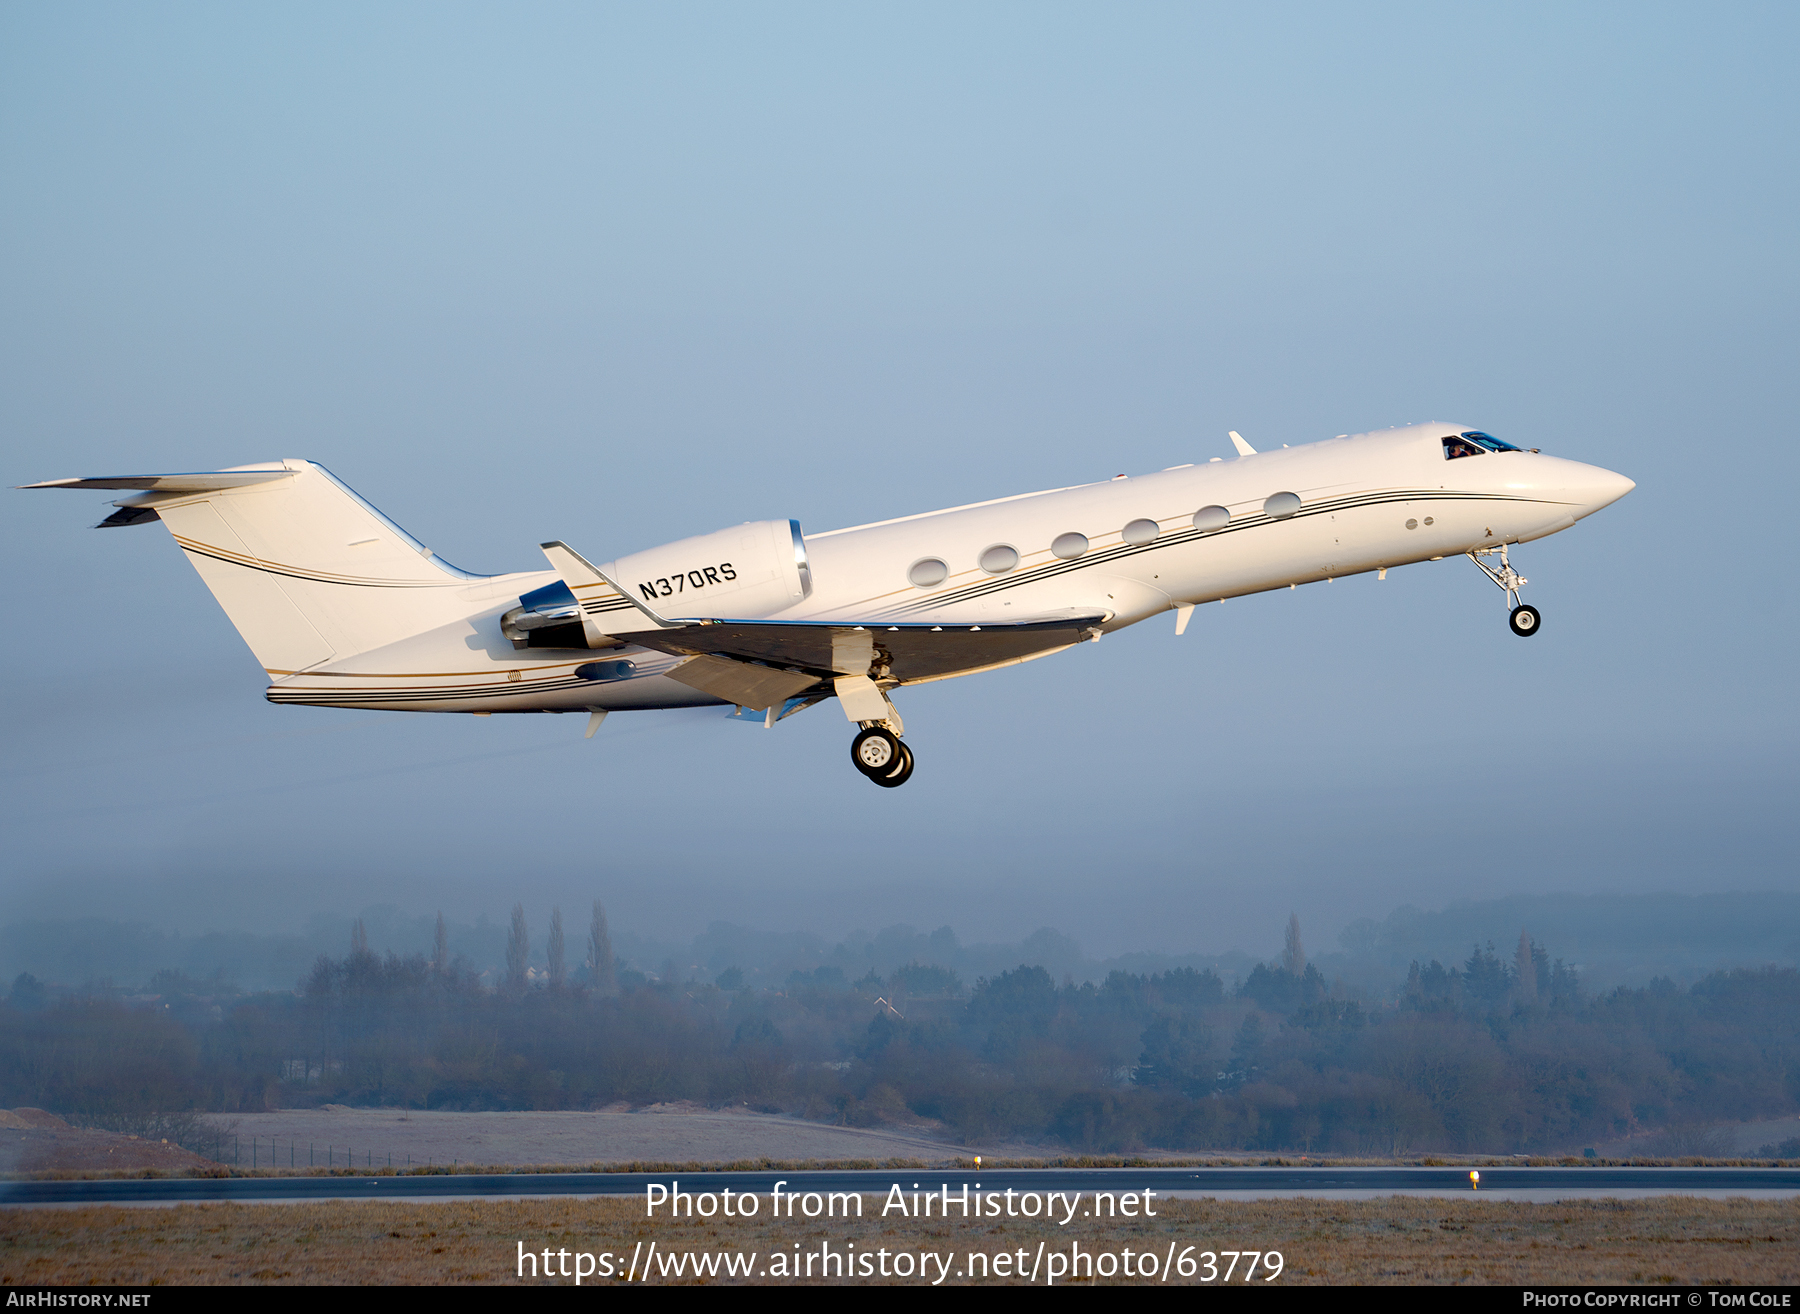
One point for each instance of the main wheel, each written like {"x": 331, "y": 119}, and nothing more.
{"x": 875, "y": 752}
{"x": 900, "y": 774}
{"x": 1524, "y": 621}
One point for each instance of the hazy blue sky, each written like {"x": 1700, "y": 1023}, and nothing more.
{"x": 620, "y": 274}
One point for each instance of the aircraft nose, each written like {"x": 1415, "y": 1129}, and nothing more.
{"x": 1604, "y": 487}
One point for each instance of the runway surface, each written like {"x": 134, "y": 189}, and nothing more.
{"x": 1241, "y": 1183}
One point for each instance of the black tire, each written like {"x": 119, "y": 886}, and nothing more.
{"x": 1524, "y": 621}
{"x": 875, "y": 752}
{"x": 900, "y": 774}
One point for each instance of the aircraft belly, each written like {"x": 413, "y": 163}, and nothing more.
{"x": 1443, "y": 526}
{"x": 1354, "y": 540}
{"x": 1362, "y": 538}
{"x": 648, "y": 693}
{"x": 1129, "y": 600}
{"x": 1269, "y": 556}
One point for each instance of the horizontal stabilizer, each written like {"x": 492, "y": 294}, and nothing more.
{"x": 206, "y": 481}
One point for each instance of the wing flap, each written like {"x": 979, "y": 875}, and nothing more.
{"x": 743, "y": 683}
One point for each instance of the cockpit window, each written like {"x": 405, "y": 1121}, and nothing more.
{"x": 1491, "y": 443}
{"x": 1473, "y": 443}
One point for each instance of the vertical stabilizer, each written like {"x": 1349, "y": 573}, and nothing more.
{"x": 308, "y": 571}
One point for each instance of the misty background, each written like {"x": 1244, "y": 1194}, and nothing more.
{"x": 619, "y": 275}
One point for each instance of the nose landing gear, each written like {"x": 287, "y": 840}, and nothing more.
{"x": 878, "y": 753}
{"x": 1523, "y": 620}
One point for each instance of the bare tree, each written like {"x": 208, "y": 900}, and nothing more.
{"x": 1293, "y": 957}
{"x": 1525, "y": 971}
{"x": 359, "y": 938}
{"x": 603, "y": 973}
{"x": 518, "y": 950}
{"x": 440, "y": 947}
{"x": 554, "y": 951}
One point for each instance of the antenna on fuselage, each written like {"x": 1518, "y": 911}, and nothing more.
{"x": 1243, "y": 448}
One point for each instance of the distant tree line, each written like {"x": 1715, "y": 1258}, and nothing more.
{"x": 1495, "y": 1053}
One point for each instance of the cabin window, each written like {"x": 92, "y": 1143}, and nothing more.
{"x": 999, "y": 559}
{"x": 928, "y": 574}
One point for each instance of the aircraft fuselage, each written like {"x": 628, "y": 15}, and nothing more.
{"x": 1356, "y": 504}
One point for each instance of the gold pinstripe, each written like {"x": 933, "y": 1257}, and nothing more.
{"x": 307, "y": 572}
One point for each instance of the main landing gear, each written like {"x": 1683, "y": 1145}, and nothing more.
{"x": 1524, "y": 619}
{"x": 878, "y": 753}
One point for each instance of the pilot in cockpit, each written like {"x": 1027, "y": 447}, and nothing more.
{"x": 1474, "y": 443}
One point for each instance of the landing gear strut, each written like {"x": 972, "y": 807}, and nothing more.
{"x": 1523, "y": 619}
{"x": 878, "y": 753}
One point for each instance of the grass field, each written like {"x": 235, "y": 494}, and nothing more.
{"x": 1395, "y": 1240}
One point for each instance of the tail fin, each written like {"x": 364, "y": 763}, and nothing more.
{"x": 306, "y": 570}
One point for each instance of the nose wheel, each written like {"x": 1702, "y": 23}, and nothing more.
{"x": 878, "y": 753}
{"x": 1523, "y": 620}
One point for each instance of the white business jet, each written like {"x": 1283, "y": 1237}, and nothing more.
{"x": 343, "y": 608}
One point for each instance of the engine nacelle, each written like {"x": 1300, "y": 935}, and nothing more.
{"x": 748, "y": 570}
